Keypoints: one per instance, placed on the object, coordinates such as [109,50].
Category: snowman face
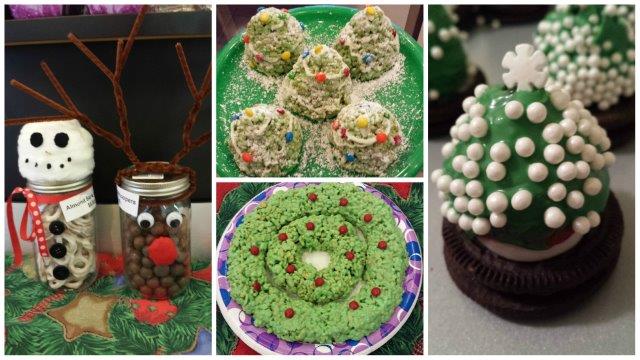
[56,151]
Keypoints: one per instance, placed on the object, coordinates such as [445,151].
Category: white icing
[525,68]
[517,253]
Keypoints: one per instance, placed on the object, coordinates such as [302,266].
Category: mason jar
[155,226]
[66,254]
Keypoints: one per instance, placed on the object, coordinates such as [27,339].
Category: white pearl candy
[552,133]
[498,220]
[470,169]
[553,153]
[582,169]
[461,204]
[592,186]
[447,150]
[609,158]
[525,147]
[521,199]
[475,206]
[480,89]
[560,99]
[457,187]
[575,199]
[581,225]
[513,109]
[569,127]
[476,110]
[537,172]
[463,132]
[444,208]
[478,127]
[457,162]
[598,162]
[474,188]
[467,102]
[575,144]
[443,183]
[435,174]
[481,226]
[475,152]
[465,222]
[497,202]
[554,217]
[500,152]
[496,171]
[594,218]
[589,152]
[453,216]
[557,192]
[567,171]
[536,112]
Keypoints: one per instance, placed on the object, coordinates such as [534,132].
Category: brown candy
[161,271]
[183,282]
[167,281]
[160,292]
[137,280]
[158,229]
[134,268]
[146,290]
[146,273]
[177,270]
[153,282]
[174,290]
[138,242]
[147,263]
[149,238]
[135,256]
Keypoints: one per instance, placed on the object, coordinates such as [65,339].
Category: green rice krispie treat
[368,44]
[591,51]
[273,41]
[526,169]
[298,300]
[265,140]
[448,67]
[365,138]
[318,86]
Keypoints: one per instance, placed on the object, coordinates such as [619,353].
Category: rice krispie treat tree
[318,86]
[526,166]
[448,67]
[265,140]
[272,41]
[365,138]
[368,44]
[591,51]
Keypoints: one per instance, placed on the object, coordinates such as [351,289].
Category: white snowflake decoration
[526,68]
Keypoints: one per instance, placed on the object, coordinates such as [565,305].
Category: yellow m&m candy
[248,112]
[370,10]
[264,18]
[285,56]
[318,49]
[362,122]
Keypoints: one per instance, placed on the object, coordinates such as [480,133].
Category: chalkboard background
[154,87]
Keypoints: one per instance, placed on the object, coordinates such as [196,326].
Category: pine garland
[42,335]
[404,342]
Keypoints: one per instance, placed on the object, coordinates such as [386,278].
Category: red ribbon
[32,209]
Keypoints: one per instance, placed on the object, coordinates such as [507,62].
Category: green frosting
[448,70]
[591,51]
[526,227]
[319,314]
[273,41]
[368,44]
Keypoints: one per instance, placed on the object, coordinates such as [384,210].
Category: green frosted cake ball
[591,51]
[448,67]
[365,138]
[265,140]
[273,41]
[526,165]
[368,44]
[318,86]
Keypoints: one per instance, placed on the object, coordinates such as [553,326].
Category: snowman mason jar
[64,225]
[155,230]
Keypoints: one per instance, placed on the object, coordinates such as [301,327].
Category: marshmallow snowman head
[54,152]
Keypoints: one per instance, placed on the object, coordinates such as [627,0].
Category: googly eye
[145,220]
[174,219]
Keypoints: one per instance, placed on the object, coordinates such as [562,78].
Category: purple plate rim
[269,344]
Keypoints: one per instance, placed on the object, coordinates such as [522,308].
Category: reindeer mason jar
[155,229]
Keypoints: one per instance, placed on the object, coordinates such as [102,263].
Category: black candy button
[56,227]
[60,272]
[58,251]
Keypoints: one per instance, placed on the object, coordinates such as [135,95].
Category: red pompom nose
[162,251]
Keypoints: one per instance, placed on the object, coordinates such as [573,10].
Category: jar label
[78,205]
[128,201]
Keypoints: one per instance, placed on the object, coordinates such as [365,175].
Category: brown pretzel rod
[58,86]
[186,71]
[90,55]
[118,66]
[121,107]
[33,119]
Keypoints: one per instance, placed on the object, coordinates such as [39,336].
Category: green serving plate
[236,91]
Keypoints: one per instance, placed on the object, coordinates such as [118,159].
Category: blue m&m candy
[301,25]
[305,53]
[235,116]
[350,157]
[260,8]
[367,58]
[288,136]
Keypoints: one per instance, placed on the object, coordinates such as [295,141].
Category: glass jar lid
[58,187]
[156,185]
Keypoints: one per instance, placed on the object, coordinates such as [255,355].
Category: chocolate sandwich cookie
[530,290]
[472,16]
